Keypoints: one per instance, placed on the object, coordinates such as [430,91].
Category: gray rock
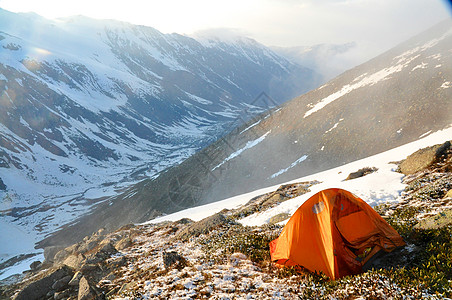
[84,290]
[61,295]
[2,185]
[202,227]
[174,259]
[88,245]
[123,243]
[440,220]
[42,287]
[278,218]
[50,252]
[75,280]
[107,247]
[74,261]
[61,284]
[35,265]
[361,172]
[85,268]
[423,158]
[448,194]
[61,255]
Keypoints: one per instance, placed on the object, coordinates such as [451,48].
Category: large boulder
[278,218]
[440,220]
[74,261]
[174,259]
[423,158]
[40,288]
[361,172]
[85,291]
[202,227]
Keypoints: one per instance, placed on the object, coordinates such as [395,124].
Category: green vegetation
[430,267]
[253,242]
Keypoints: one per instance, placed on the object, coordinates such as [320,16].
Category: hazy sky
[383,23]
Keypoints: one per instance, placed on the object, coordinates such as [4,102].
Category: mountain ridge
[88,107]
[391,100]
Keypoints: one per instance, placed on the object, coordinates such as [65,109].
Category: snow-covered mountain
[393,99]
[89,106]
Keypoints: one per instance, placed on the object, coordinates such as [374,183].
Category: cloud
[271,22]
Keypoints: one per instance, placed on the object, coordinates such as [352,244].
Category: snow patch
[334,126]
[251,126]
[282,171]
[425,134]
[198,99]
[421,66]
[366,81]
[446,85]
[248,145]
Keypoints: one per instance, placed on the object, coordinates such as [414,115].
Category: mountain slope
[329,60]
[89,106]
[396,98]
[222,249]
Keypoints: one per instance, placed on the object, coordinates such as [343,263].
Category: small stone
[173,259]
[75,279]
[84,290]
[109,277]
[35,265]
[118,262]
[61,255]
[74,261]
[61,295]
[236,258]
[61,284]
[101,232]
[107,247]
[50,294]
[123,243]
[278,218]
[72,248]
[448,194]
[112,292]
[88,267]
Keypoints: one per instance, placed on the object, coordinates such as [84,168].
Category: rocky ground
[217,258]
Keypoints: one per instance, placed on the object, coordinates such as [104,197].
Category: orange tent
[334,232]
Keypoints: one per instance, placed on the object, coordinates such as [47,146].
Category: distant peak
[226,35]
